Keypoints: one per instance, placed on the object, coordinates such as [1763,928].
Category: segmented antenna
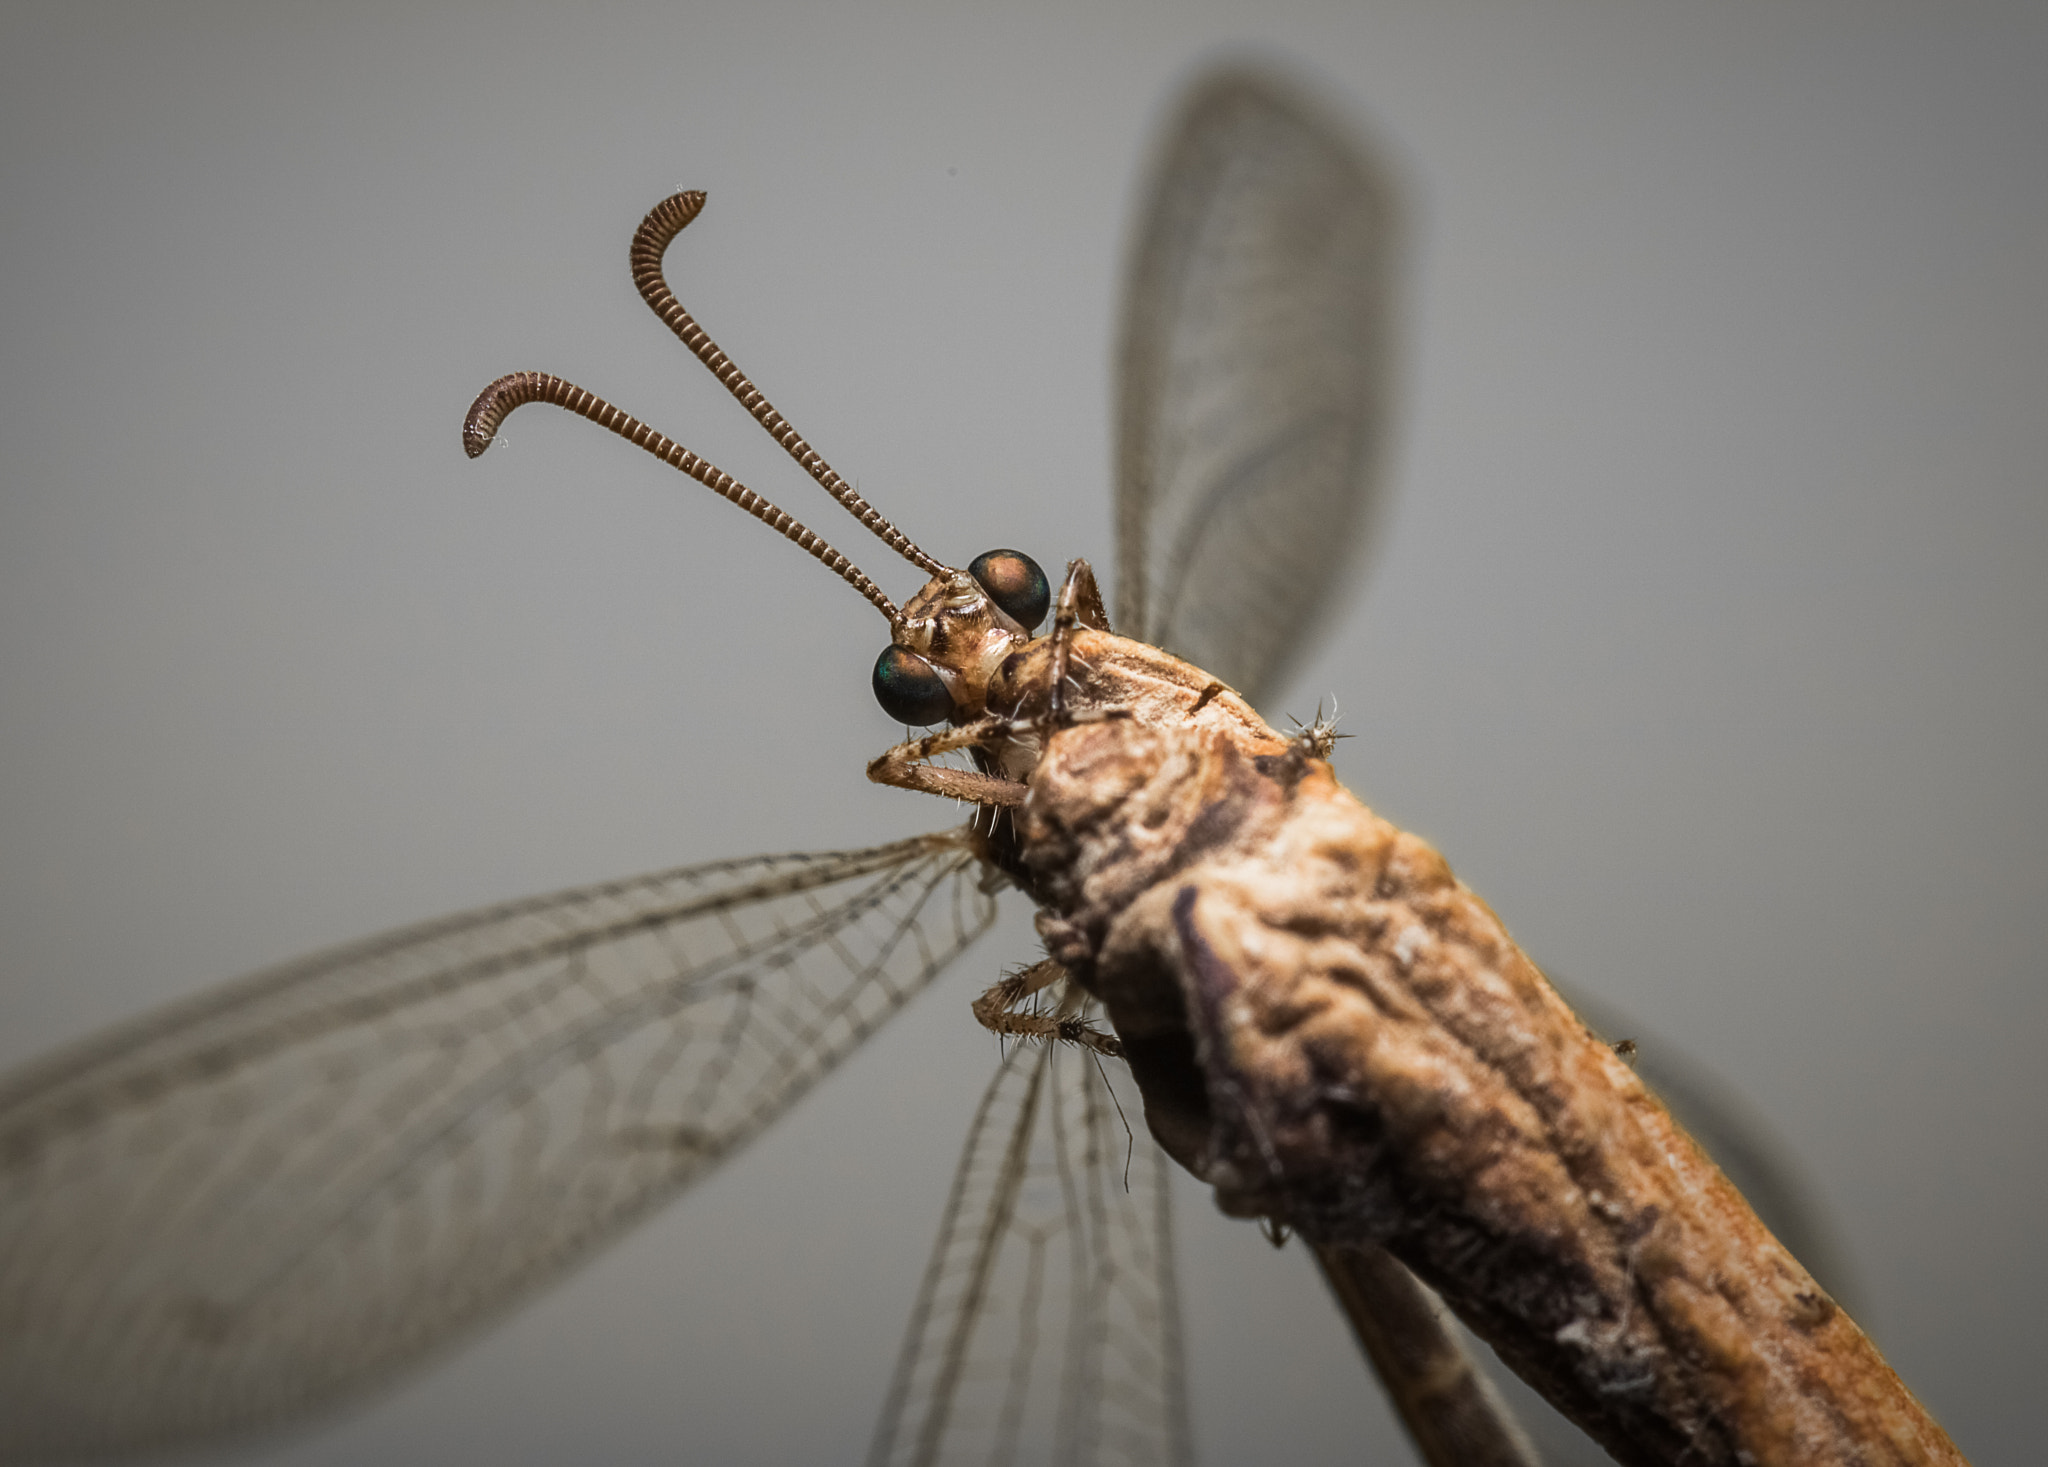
[650,242]
[656,232]
[496,402]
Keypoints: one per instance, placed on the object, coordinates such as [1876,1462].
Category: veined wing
[1255,375]
[1047,1325]
[1254,380]
[246,1205]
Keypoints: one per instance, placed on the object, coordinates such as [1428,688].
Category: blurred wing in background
[244,1207]
[1256,343]
[1046,1329]
[1256,377]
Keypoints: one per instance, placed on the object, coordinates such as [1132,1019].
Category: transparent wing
[1046,1329]
[244,1206]
[1254,379]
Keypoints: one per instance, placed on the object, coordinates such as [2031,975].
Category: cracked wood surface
[1334,1032]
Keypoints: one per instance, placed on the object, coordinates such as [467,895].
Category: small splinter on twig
[1318,738]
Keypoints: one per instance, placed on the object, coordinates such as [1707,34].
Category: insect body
[1339,1037]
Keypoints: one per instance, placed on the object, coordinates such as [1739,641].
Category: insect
[268,1196]
[256,1201]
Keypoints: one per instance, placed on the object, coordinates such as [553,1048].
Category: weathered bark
[1334,1032]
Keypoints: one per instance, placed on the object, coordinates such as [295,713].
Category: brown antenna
[650,242]
[496,402]
[662,224]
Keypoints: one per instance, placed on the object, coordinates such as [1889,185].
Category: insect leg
[907,765]
[997,1012]
[1080,605]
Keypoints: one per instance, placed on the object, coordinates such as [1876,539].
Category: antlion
[262,1199]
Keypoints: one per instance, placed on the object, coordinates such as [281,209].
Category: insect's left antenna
[497,401]
[650,242]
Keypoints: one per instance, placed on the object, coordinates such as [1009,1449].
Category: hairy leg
[997,1010]
[907,766]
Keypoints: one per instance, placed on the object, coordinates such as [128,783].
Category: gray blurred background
[1706,631]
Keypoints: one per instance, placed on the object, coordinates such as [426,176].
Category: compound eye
[1015,583]
[909,688]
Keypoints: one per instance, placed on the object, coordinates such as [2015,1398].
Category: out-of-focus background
[1706,630]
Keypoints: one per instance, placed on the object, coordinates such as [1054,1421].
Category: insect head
[954,634]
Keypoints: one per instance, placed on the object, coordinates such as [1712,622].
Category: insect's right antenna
[650,242]
[495,402]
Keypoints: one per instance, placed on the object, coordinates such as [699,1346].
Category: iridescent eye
[1015,583]
[909,688]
